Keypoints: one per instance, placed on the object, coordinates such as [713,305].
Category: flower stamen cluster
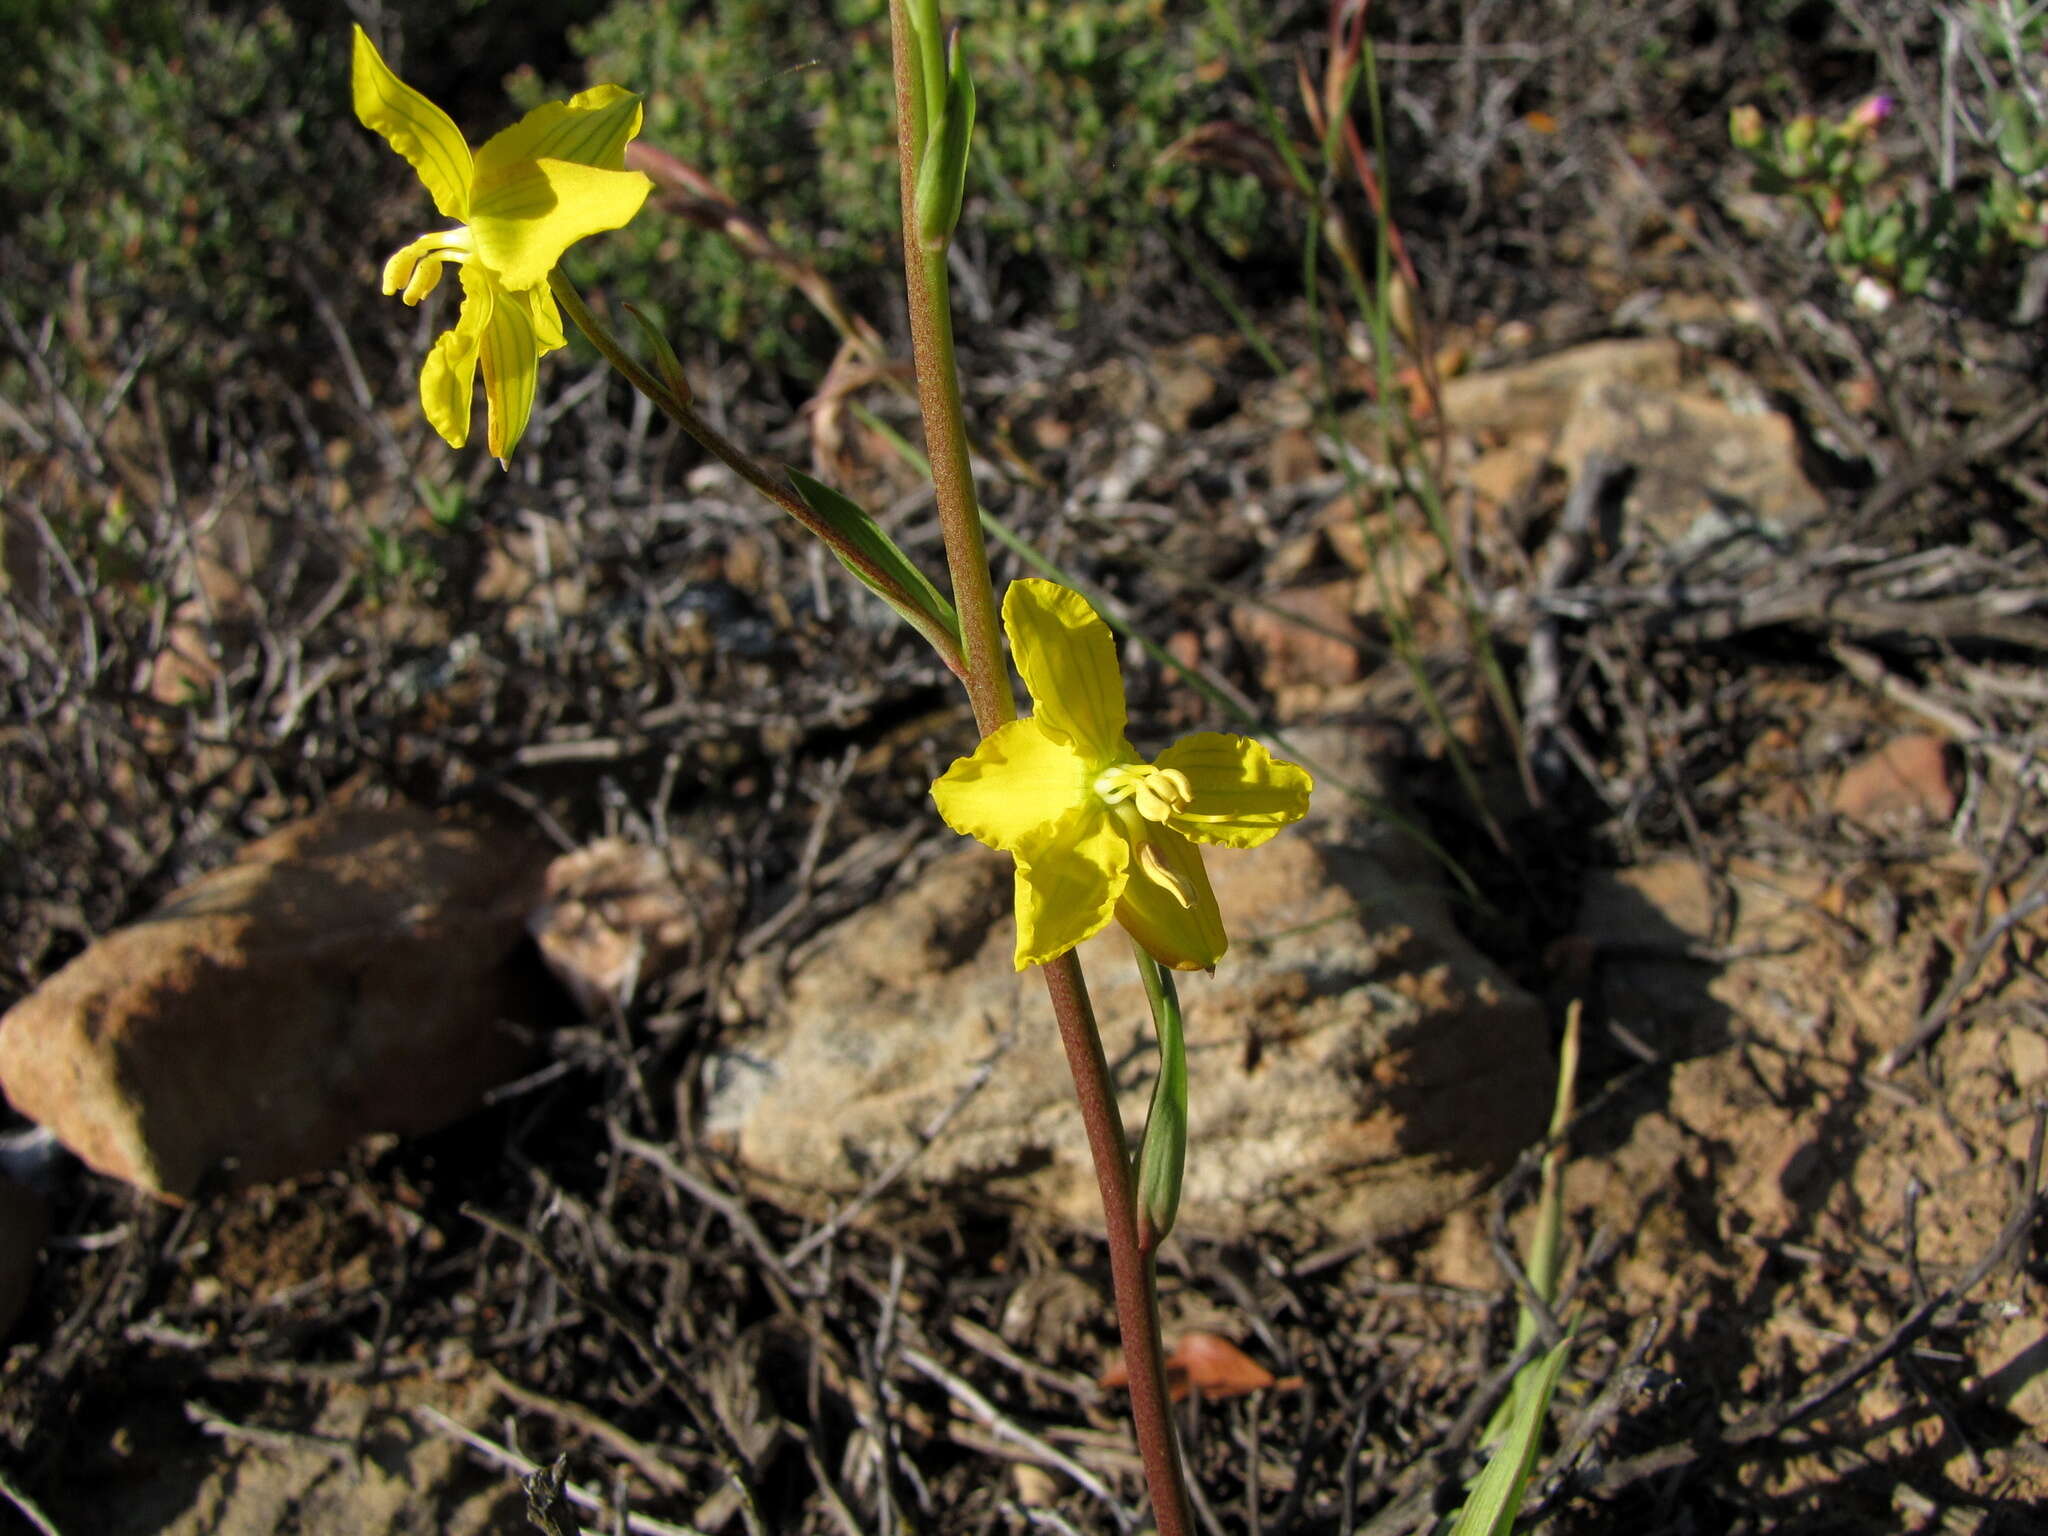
[1158,793]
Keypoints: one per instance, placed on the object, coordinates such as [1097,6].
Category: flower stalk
[938,381]
[918,86]
[1130,1268]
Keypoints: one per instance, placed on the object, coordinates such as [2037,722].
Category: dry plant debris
[1806,1242]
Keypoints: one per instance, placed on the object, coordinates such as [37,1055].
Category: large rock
[1539,396]
[618,914]
[360,971]
[1719,478]
[1357,1068]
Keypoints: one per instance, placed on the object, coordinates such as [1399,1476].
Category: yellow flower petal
[414,126]
[590,128]
[546,316]
[1067,659]
[1242,793]
[1185,938]
[511,362]
[1018,780]
[448,380]
[540,208]
[1069,874]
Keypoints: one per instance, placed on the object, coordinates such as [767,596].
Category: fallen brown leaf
[1208,1364]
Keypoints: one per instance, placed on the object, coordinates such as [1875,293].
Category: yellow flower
[530,193]
[1096,830]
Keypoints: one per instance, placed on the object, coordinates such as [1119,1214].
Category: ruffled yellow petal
[1018,780]
[1242,793]
[1067,658]
[420,131]
[511,361]
[1173,913]
[590,128]
[1069,875]
[546,316]
[540,208]
[448,378]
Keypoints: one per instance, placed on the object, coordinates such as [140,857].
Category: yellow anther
[1155,869]
[1163,792]
[1156,793]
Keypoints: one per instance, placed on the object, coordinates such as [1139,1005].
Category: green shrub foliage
[788,107]
[167,165]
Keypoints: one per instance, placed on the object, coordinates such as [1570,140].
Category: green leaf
[1545,1264]
[928,78]
[666,362]
[921,604]
[1164,1153]
[1496,1497]
[942,175]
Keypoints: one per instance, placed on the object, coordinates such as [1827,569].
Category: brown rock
[2015,1369]
[1304,635]
[536,572]
[1292,457]
[1700,464]
[1904,781]
[1502,476]
[1666,903]
[1357,1067]
[354,972]
[617,914]
[1538,396]
[1397,551]
[1642,926]
[160,1473]
[1188,378]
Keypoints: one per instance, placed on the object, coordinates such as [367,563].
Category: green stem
[719,446]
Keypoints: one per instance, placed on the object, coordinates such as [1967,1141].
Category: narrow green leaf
[1545,1264]
[921,604]
[928,78]
[1496,1496]
[666,362]
[942,175]
[1164,1153]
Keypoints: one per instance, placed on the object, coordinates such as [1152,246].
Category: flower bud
[1869,116]
[1746,128]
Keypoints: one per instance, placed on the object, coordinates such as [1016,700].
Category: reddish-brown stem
[1130,1266]
[988,687]
[945,420]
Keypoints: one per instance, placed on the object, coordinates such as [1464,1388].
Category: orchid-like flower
[530,193]
[1096,830]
